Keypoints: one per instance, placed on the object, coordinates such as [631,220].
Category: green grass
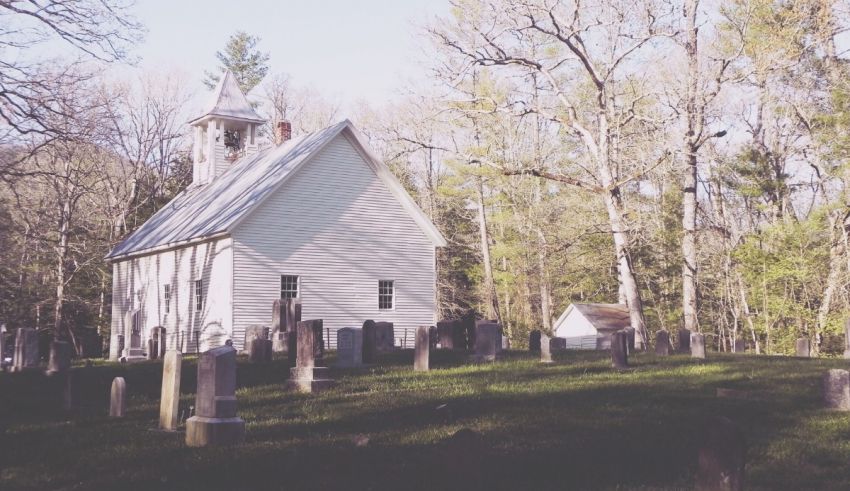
[573,425]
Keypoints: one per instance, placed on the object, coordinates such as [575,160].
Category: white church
[318,218]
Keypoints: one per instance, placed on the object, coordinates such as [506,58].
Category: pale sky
[347,50]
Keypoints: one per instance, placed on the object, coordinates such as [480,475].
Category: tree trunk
[491,307]
[689,179]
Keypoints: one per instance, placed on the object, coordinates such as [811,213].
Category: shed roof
[228,101]
[204,212]
[607,317]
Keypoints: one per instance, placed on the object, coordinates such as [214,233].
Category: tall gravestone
[151,350]
[432,338]
[499,334]
[620,350]
[60,357]
[421,350]
[534,341]
[26,350]
[557,344]
[836,390]
[215,421]
[384,337]
[662,343]
[169,401]
[252,332]
[305,376]
[158,334]
[349,347]
[446,334]
[698,345]
[684,341]
[286,313]
[118,398]
[488,339]
[545,347]
[261,350]
[804,348]
[370,348]
[721,459]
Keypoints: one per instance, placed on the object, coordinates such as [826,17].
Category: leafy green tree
[247,63]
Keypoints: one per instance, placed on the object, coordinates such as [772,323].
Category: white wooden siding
[337,226]
[573,325]
[138,283]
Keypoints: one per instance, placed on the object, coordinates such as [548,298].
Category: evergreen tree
[241,56]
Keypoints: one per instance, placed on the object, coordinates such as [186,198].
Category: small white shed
[589,325]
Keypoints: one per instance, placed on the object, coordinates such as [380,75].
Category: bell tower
[225,132]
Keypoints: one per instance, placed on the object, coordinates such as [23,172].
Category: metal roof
[228,101]
[215,209]
[605,316]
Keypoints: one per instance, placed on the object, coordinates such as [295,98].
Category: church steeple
[226,130]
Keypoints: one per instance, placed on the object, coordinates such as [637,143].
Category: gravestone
[215,421]
[349,347]
[305,376]
[836,389]
[261,350]
[534,340]
[620,350]
[488,339]
[466,332]
[252,332]
[118,398]
[384,337]
[662,343]
[545,347]
[804,348]
[285,314]
[26,350]
[446,334]
[722,457]
[500,342]
[684,341]
[60,357]
[133,328]
[432,338]
[630,339]
[169,401]
[698,345]
[151,349]
[847,338]
[740,346]
[421,351]
[160,341]
[370,351]
[557,344]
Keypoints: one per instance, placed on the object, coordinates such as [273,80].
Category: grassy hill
[574,425]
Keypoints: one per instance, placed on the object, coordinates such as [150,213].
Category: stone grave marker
[836,389]
[151,351]
[534,341]
[60,357]
[488,341]
[466,333]
[285,314]
[160,341]
[215,421]
[261,350]
[305,376]
[169,401]
[698,345]
[557,344]
[26,350]
[118,398]
[422,350]
[662,343]
[349,347]
[252,332]
[446,334]
[722,457]
[384,337]
[545,347]
[684,340]
[804,348]
[370,349]
[620,350]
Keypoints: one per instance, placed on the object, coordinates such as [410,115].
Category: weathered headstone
[446,334]
[804,348]
[26,350]
[306,376]
[285,314]
[630,339]
[545,347]
[739,346]
[662,343]
[847,338]
[118,398]
[215,421]
[466,332]
[620,350]
[557,344]
[252,332]
[261,350]
[384,337]
[349,347]
[421,351]
[160,342]
[722,457]
[370,350]
[534,341]
[836,389]
[684,341]
[60,357]
[488,338]
[500,342]
[698,345]
[151,351]
[169,402]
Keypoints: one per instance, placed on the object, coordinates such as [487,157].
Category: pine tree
[241,56]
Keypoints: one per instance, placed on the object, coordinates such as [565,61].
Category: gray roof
[605,316]
[228,101]
[214,209]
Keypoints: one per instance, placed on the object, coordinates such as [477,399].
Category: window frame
[382,295]
[200,300]
[297,286]
[166,297]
